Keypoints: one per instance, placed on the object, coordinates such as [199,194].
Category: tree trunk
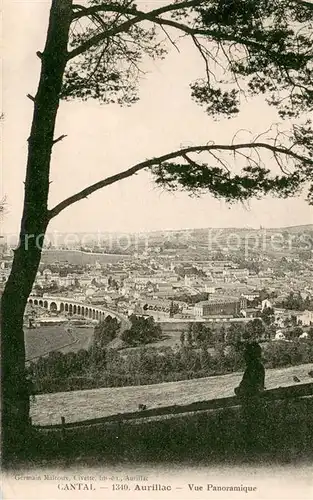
[35,219]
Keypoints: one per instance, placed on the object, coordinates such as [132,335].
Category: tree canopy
[247,48]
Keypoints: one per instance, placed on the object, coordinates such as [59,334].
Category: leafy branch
[267,43]
[219,181]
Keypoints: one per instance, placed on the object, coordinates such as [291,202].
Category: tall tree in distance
[95,50]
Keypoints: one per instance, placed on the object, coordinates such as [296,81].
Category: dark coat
[252,383]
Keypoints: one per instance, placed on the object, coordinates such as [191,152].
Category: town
[169,292]
[179,279]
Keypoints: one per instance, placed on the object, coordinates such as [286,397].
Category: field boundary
[289,392]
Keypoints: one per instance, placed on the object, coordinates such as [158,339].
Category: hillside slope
[94,403]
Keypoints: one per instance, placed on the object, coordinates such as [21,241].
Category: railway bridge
[73,307]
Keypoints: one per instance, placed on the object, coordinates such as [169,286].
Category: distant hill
[216,239]
[232,228]
[193,231]
[201,231]
[297,229]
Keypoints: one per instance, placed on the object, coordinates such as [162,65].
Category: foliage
[234,334]
[280,353]
[198,335]
[294,333]
[278,51]
[267,315]
[3,207]
[254,330]
[142,331]
[174,309]
[113,284]
[109,71]
[103,367]
[189,271]
[248,48]
[295,302]
[106,331]
[191,299]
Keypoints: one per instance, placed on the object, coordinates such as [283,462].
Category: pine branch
[171,7]
[153,16]
[181,153]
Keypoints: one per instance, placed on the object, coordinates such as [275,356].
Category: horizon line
[4,233]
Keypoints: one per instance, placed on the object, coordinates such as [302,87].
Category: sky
[102,140]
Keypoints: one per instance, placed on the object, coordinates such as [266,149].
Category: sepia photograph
[156,249]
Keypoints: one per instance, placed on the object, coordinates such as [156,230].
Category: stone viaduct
[72,307]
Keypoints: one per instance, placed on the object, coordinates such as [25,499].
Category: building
[251,312]
[157,305]
[279,335]
[304,318]
[266,304]
[220,305]
[304,335]
[239,273]
[251,296]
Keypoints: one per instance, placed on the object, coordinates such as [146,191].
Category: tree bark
[35,219]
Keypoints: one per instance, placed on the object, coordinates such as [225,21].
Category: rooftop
[218,300]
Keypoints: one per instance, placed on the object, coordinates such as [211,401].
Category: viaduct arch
[71,307]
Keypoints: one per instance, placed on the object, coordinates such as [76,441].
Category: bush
[100,367]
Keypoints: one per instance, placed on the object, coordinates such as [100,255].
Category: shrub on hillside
[150,365]
[142,331]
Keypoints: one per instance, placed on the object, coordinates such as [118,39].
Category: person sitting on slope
[252,383]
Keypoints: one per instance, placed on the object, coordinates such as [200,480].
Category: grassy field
[94,403]
[42,340]
[83,336]
[80,258]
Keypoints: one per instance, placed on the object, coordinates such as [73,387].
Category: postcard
[156,249]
